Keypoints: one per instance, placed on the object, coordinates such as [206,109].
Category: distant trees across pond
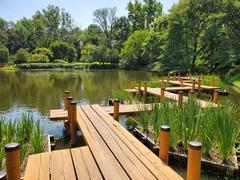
[195,35]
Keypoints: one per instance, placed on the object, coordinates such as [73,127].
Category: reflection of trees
[44,89]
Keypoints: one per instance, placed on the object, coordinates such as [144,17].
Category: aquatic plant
[2,155]
[124,96]
[36,139]
[226,130]
[143,117]
[190,116]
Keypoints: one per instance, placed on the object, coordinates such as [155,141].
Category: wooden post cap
[165,128]
[73,103]
[70,98]
[180,92]
[3,175]
[195,145]
[11,147]
[163,88]
[116,100]
[67,92]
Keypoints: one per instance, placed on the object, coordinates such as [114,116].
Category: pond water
[39,91]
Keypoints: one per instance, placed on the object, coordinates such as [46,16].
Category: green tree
[22,56]
[132,54]
[4,54]
[62,50]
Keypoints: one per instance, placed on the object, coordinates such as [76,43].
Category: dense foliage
[195,35]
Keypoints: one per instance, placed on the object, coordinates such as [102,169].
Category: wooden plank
[140,155]
[58,114]
[127,109]
[38,167]
[85,166]
[129,162]
[137,152]
[203,87]
[62,165]
[109,166]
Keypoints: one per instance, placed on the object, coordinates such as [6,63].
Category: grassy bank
[235,80]
[77,66]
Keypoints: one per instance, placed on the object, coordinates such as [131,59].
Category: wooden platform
[117,152]
[77,163]
[61,114]
[203,87]
[58,114]
[173,96]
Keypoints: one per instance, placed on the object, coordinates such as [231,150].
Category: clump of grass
[2,156]
[124,96]
[226,130]
[36,139]
[143,117]
[24,131]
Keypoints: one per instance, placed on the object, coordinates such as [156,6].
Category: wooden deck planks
[85,166]
[62,165]
[109,166]
[129,162]
[123,134]
[203,87]
[58,114]
[38,167]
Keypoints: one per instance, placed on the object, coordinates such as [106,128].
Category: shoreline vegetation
[25,131]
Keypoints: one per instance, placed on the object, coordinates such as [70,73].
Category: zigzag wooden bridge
[111,153]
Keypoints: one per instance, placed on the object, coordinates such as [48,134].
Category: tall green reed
[226,130]
[36,139]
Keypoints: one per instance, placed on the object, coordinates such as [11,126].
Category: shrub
[62,50]
[44,51]
[22,56]
[4,53]
[39,58]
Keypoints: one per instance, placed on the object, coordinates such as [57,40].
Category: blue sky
[81,10]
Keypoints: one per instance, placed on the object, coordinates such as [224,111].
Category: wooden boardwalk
[116,153]
[173,96]
[203,87]
[77,163]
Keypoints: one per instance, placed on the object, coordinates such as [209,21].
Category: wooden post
[68,121]
[190,75]
[162,93]
[179,76]
[164,142]
[194,160]
[213,82]
[145,91]
[73,124]
[168,78]
[199,84]
[3,175]
[193,84]
[13,161]
[139,87]
[180,98]
[215,96]
[175,75]
[164,84]
[181,81]
[116,109]
[66,95]
[131,84]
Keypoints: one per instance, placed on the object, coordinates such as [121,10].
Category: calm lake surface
[39,91]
